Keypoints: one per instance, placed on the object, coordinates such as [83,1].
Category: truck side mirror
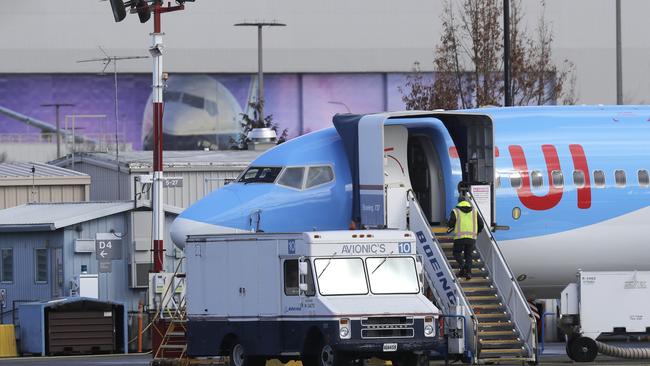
[303,272]
[303,268]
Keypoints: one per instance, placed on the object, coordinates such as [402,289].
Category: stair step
[173,346]
[474,298]
[500,342]
[496,333]
[493,324]
[479,289]
[491,315]
[495,306]
[176,334]
[513,360]
[474,280]
[501,351]
[439,229]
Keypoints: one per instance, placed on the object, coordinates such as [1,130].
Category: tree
[249,122]
[468,62]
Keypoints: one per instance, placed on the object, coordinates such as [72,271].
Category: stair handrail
[519,310]
[412,200]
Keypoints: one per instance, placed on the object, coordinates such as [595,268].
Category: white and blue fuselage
[571,187]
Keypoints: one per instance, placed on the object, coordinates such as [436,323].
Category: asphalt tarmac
[554,354]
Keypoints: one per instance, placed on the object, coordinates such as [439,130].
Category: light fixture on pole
[144,8]
[260,73]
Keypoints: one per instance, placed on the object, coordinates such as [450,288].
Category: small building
[73,325]
[201,173]
[44,246]
[22,183]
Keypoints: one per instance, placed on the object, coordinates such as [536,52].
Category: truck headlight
[428,330]
[344,328]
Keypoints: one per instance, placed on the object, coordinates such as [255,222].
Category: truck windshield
[392,275]
[341,276]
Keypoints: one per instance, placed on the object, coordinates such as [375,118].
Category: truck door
[242,299]
[268,277]
[294,304]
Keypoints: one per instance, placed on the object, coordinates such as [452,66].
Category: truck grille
[383,320]
[387,327]
[387,333]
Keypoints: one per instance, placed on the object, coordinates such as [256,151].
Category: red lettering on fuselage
[580,164]
[554,195]
[526,196]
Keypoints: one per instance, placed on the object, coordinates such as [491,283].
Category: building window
[536,178]
[579,178]
[599,178]
[515,180]
[619,177]
[558,178]
[40,265]
[644,179]
[7,273]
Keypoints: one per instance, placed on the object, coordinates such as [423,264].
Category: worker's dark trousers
[466,245]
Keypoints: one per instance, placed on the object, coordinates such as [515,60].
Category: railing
[448,293]
[507,286]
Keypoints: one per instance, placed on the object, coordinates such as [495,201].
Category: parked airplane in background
[199,113]
[571,184]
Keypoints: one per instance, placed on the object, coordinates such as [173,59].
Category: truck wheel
[582,349]
[327,356]
[238,357]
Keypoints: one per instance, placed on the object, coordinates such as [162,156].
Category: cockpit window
[292,177]
[257,174]
[171,96]
[193,100]
[319,175]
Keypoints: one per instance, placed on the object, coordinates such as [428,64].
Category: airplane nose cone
[218,213]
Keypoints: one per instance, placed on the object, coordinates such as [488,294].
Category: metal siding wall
[196,185]
[112,286]
[103,186]
[11,196]
[24,286]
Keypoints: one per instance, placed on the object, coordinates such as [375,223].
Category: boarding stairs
[498,325]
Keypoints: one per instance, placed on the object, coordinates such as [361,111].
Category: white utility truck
[604,303]
[323,297]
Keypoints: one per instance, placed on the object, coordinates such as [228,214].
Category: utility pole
[619,56]
[260,73]
[507,91]
[57,107]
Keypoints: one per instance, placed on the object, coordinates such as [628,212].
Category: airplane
[200,112]
[570,185]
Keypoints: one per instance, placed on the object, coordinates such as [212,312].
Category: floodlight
[144,12]
[119,11]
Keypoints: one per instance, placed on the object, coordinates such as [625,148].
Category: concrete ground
[553,355]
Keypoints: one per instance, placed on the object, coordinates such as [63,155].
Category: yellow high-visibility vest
[466,223]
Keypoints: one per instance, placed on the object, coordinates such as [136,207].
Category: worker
[465,224]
